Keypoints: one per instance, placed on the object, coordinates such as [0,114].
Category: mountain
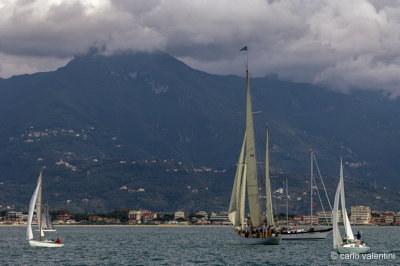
[151,106]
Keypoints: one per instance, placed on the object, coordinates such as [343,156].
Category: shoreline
[175,225]
[121,225]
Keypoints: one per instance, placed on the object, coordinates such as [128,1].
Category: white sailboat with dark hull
[349,244]
[310,233]
[42,217]
[252,230]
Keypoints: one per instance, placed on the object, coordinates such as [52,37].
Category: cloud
[342,44]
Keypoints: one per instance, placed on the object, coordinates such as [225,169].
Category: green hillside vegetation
[152,106]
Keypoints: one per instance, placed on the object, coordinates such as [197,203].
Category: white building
[179,214]
[360,214]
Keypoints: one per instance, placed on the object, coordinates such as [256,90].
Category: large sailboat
[349,244]
[310,233]
[42,217]
[253,230]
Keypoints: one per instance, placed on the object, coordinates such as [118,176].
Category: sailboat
[43,219]
[311,233]
[251,230]
[349,244]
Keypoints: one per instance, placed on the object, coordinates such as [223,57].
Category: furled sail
[251,162]
[235,204]
[29,233]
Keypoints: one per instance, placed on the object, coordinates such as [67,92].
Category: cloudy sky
[342,44]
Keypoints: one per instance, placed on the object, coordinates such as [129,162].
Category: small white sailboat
[251,230]
[349,244]
[43,219]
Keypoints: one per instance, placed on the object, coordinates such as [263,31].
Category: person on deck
[58,241]
[358,235]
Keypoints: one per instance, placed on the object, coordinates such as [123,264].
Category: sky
[340,44]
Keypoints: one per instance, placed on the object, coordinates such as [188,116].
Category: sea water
[186,245]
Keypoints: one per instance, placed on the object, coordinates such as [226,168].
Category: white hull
[276,240]
[44,243]
[305,235]
[353,248]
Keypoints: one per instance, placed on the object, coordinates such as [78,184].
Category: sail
[234,206]
[242,202]
[251,162]
[346,221]
[46,221]
[270,215]
[39,209]
[337,238]
[29,233]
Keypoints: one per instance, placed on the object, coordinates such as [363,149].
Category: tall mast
[311,188]
[268,197]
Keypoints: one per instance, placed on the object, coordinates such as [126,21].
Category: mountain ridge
[151,106]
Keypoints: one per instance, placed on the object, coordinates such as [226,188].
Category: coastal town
[359,215]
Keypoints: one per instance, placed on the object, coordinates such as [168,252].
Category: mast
[311,188]
[251,162]
[268,197]
[287,204]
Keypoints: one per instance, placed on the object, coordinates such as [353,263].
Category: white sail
[337,238]
[46,221]
[29,233]
[234,206]
[346,221]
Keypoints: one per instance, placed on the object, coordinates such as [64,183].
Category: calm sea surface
[152,245]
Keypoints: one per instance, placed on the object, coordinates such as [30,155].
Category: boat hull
[348,249]
[306,235]
[276,240]
[44,243]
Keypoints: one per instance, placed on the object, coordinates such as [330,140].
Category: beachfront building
[179,214]
[360,215]
[141,216]
[397,218]
[220,218]
[306,219]
[388,217]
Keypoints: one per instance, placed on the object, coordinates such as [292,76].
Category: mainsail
[337,238]
[346,222]
[29,233]
[251,162]
[246,176]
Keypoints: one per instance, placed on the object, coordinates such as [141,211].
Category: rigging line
[320,200]
[322,181]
